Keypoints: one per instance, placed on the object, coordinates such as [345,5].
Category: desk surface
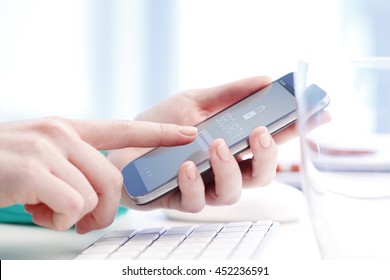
[293,240]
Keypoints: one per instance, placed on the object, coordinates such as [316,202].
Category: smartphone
[155,173]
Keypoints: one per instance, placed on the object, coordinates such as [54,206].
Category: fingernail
[188,130]
[265,139]
[223,152]
[191,172]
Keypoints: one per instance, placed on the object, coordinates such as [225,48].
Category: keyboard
[237,240]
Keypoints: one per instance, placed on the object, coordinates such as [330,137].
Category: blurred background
[114,58]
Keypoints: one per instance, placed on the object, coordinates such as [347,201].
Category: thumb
[222,96]
[117,134]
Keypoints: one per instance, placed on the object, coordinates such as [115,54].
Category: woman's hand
[252,168]
[53,166]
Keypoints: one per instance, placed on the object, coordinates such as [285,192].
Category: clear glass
[346,160]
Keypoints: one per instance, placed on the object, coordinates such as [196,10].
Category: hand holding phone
[155,173]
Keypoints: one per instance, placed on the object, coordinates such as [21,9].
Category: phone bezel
[205,165]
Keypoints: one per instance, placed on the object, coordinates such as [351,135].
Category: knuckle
[29,168]
[161,132]
[267,180]
[116,180]
[104,222]
[75,207]
[91,201]
[53,127]
[194,208]
[66,220]
[60,226]
[231,200]
[37,146]
[123,125]
[262,181]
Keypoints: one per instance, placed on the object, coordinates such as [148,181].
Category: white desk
[293,241]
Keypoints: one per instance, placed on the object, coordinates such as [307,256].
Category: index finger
[117,134]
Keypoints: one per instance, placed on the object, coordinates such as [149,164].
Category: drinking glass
[345,153]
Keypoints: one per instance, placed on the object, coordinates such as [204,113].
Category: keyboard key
[122,233]
[138,247]
[124,255]
[91,257]
[239,224]
[157,231]
[145,237]
[235,229]
[106,248]
[209,227]
[184,230]
[112,240]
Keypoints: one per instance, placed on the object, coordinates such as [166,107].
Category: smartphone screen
[155,173]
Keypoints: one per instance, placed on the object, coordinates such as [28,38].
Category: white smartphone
[155,173]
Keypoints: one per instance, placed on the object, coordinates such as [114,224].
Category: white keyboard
[238,240]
